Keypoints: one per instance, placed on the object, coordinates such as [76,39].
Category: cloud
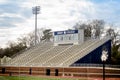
[12,8]
[7,21]
[16,15]
[108,11]
[12,13]
[3,1]
[65,12]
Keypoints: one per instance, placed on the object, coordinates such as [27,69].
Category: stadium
[69,54]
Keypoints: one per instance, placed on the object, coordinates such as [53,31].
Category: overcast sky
[16,16]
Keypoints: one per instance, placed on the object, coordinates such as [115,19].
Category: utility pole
[36,11]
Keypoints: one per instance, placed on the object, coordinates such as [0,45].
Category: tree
[29,39]
[115,45]
[85,26]
[47,34]
[1,52]
[98,26]
[13,48]
[25,41]
[113,34]
[88,26]
[115,54]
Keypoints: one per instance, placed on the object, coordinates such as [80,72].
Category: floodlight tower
[36,11]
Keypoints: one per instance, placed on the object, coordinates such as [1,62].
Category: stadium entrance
[48,72]
[56,72]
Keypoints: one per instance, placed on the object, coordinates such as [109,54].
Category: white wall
[72,38]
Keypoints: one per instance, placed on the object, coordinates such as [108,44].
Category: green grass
[32,78]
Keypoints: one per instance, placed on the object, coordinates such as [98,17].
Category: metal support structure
[36,10]
[103,70]
[104,57]
[35,29]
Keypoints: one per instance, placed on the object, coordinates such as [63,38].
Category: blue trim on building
[66,32]
[94,57]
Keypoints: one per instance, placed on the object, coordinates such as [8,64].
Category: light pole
[36,11]
[104,57]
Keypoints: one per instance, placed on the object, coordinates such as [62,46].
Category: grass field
[32,78]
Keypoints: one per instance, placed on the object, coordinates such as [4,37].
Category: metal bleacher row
[46,54]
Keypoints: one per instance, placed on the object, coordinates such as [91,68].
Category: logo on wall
[104,55]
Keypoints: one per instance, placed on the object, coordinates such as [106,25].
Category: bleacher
[30,54]
[84,51]
[59,59]
[48,55]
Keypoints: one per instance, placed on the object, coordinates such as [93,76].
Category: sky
[16,17]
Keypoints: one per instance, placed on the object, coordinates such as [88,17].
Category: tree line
[96,26]
[25,41]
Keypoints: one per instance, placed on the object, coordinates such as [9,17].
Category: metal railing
[20,52]
[95,65]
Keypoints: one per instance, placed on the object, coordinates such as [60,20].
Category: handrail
[94,65]
[57,54]
[42,43]
[28,48]
[81,51]
[40,54]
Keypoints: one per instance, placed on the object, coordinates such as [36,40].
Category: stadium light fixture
[104,57]
[36,10]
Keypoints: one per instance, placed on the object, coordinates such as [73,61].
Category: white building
[69,37]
